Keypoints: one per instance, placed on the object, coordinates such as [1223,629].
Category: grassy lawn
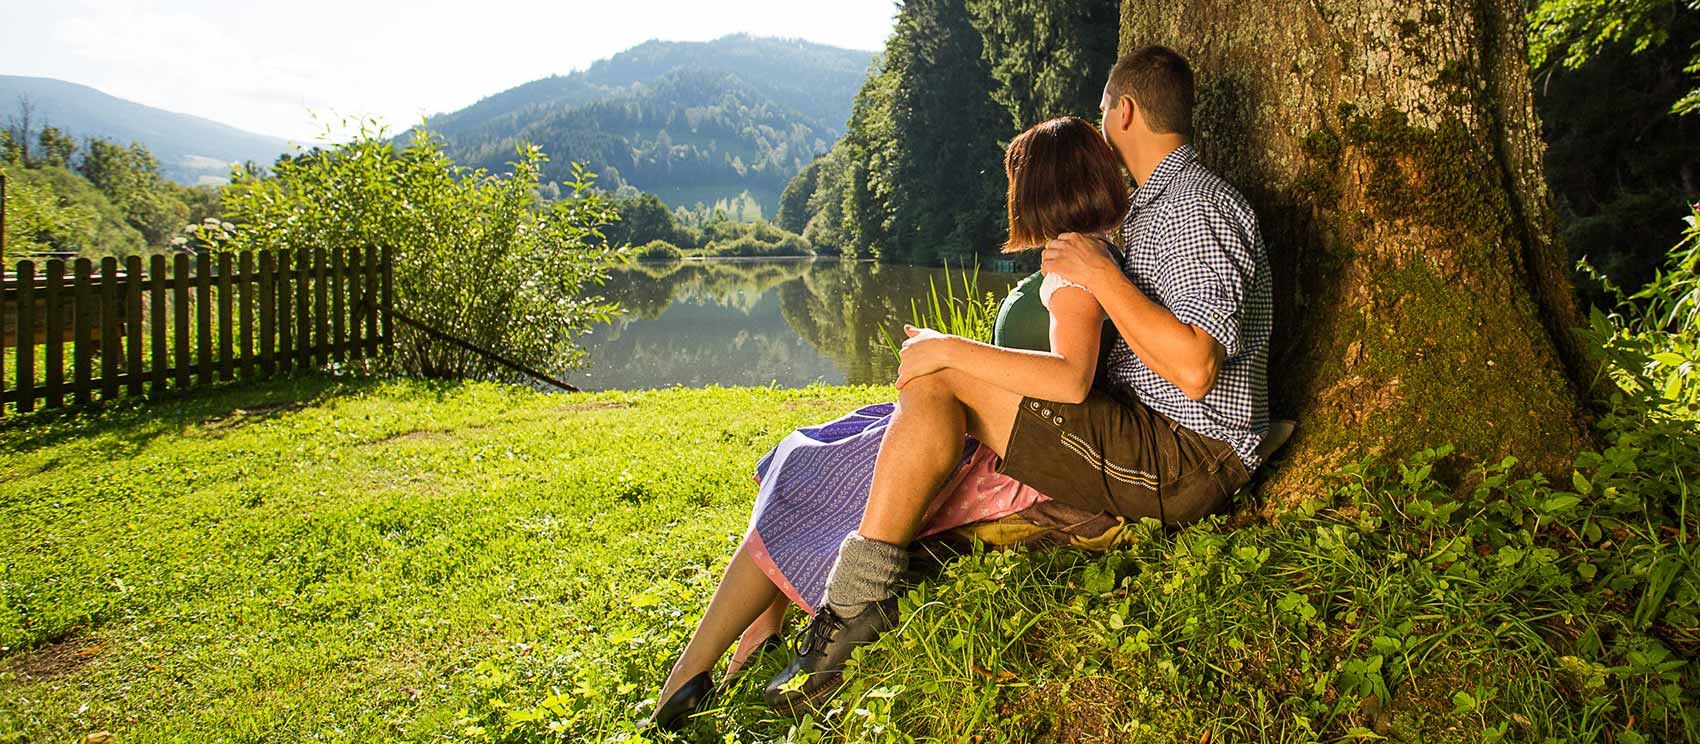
[321,559]
[314,559]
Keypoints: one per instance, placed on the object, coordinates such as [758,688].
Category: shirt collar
[1165,171]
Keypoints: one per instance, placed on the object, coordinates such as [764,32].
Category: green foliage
[1650,343]
[1620,166]
[359,560]
[752,239]
[10,152]
[918,177]
[119,186]
[52,209]
[130,178]
[658,250]
[1046,57]
[794,201]
[57,148]
[972,315]
[644,219]
[475,255]
[1574,32]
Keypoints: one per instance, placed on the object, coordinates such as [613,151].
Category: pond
[729,322]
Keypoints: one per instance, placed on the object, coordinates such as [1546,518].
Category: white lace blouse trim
[1050,285]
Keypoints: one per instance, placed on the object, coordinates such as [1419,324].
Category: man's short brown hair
[1062,178]
[1160,81]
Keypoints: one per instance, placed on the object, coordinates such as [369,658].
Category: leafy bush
[752,239]
[645,218]
[658,250]
[475,254]
[52,209]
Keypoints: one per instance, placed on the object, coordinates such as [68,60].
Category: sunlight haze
[270,67]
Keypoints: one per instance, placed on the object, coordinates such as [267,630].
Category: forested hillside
[919,175]
[688,121]
[189,149]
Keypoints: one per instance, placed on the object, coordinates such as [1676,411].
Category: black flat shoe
[670,714]
[822,648]
[772,644]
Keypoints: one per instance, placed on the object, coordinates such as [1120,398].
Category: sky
[290,69]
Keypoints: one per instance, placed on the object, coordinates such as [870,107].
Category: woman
[814,484]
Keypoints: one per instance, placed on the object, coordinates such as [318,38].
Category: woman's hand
[925,351]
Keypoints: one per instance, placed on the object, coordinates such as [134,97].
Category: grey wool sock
[866,571]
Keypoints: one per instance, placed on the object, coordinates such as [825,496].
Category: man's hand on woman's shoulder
[1081,259]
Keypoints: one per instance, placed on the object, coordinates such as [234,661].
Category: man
[1171,426]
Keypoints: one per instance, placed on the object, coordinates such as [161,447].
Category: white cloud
[269,66]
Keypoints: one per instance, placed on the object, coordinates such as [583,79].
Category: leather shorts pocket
[1194,496]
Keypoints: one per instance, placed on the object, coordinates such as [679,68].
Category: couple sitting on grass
[1167,424]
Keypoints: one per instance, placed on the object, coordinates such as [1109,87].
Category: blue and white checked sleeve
[1204,269]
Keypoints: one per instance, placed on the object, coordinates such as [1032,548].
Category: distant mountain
[190,149]
[688,121]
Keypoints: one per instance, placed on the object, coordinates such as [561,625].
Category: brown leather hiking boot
[821,648]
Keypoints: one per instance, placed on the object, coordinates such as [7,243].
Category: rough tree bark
[1392,153]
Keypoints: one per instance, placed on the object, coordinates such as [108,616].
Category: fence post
[55,306]
[388,302]
[285,328]
[111,341]
[133,322]
[25,338]
[203,318]
[372,298]
[82,308]
[156,322]
[357,348]
[20,334]
[226,303]
[245,294]
[303,311]
[321,352]
[338,304]
[268,297]
[180,316]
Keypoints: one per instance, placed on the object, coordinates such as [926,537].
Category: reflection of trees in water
[842,312]
[646,289]
[838,308]
[703,344]
[839,312]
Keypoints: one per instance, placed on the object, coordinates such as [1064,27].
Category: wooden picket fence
[253,313]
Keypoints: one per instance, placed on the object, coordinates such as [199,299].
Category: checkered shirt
[1191,244]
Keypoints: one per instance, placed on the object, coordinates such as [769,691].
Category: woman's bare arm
[1063,374]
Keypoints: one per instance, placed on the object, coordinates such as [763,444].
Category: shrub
[53,209]
[752,239]
[657,250]
[475,254]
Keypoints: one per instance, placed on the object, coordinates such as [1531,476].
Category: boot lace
[817,633]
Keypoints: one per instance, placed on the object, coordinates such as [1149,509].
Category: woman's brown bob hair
[1062,178]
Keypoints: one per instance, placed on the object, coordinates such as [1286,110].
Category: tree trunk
[1393,156]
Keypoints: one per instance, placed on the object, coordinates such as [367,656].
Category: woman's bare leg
[744,594]
[769,623]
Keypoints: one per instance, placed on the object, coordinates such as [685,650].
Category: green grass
[354,560]
[316,558]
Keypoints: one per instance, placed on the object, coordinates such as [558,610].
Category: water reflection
[730,322]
